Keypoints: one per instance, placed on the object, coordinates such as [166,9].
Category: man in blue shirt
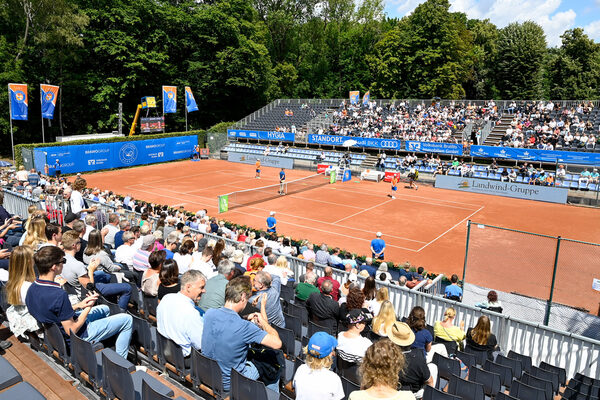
[227,337]
[47,302]
[282,181]
[378,247]
[33,178]
[265,283]
[272,223]
[453,291]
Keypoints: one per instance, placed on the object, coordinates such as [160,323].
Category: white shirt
[124,254]
[88,229]
[352,349]
[207,268]
[319,384]
[185,326]
[77,203]
[24,288]
[183,262]
[110,236]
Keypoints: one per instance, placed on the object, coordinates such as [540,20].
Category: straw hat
[401,334]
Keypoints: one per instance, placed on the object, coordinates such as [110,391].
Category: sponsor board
[552,156]
[507,189]
[336,140]
[434,147]
[263,135]
[265,161]
[91,157]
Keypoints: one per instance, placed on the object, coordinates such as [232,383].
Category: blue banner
[49,95]
[190,102]
[336,140]
[265,161]
[553,156]
[263,135]
[434,147]
[169,99]
[507,189]
[92,157]
[18,101]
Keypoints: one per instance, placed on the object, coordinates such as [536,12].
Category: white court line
[459,222]
[325,231]
[360,212]
[185,176]
[284,213]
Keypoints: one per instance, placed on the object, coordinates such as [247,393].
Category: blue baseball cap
[321,344]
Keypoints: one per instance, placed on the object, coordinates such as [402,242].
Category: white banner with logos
[507,189]
[265,161]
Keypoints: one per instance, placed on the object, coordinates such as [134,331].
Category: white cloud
[593,29]
[503,12]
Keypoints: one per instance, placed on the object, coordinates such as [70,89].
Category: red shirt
[250,259]
[335,293]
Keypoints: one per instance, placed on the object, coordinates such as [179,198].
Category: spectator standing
[379,373]
[177,316]
[271,223]
[314,380]
[378,247]
[227,336]
[335,293]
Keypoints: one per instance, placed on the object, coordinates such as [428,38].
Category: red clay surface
[426,227]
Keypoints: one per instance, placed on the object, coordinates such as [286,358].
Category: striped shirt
[140,260]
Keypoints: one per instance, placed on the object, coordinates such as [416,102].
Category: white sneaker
[393,197]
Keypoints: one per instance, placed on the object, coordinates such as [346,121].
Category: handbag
[269,363]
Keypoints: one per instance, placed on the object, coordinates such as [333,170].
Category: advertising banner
[265,161]
[169,99]
[190,102]
[321,168]
[434,147]
[18,99]
[336,140]
[49,95]
[92,157]
[507,189]
[263,135]
[553,156]
[354,96]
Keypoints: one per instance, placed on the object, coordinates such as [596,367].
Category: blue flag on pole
[17,93]
[190,102]
[49,95]
[169,99]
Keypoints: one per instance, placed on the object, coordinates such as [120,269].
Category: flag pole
[12,143]
[186,124]
[42,112]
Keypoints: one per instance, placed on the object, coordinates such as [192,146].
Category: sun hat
[321,344]
[401,334]
[383,267]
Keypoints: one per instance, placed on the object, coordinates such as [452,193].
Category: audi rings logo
[128,153]
[389,144]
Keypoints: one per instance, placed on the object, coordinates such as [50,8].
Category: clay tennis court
[426,227]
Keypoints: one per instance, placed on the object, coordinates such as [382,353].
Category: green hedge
[220,127]
[19,157]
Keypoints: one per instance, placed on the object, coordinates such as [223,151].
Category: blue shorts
[394,188]
[258,171]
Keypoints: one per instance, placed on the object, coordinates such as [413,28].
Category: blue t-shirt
[453,290]
[271,221]
[370,269]
[33,179]
[119,239]
[48,303]
[422,337]
[226,339]
[169,254]
[281,175]
[377,245]
[408,274]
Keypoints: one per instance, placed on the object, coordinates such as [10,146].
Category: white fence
[573,352]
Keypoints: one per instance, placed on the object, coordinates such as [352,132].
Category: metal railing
[573,352]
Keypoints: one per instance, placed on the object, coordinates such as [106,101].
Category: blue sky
[555,16]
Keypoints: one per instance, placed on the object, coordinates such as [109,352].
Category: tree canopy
[237,55]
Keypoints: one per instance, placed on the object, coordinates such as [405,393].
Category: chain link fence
[540,272]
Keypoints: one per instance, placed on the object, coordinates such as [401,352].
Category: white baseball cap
[378,234]
[272,213]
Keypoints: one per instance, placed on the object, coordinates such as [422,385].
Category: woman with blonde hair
[481,338]
[448,333]
[381,295]
[282,270]
[380,371]
[36,232]
[20,277]
[314,380]
[385,319]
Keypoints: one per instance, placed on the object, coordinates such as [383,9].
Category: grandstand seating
[276,117]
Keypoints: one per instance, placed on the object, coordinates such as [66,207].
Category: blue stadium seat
[243,388]
[87,361]
[8,374]
[23,391]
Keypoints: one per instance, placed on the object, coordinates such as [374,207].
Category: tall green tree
[519,61]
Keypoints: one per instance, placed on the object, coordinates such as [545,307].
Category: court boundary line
[457,224]
[360,212]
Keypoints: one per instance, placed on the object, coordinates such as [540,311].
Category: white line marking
[365,210]
[460,222]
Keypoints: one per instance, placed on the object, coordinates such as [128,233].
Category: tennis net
[248,197]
